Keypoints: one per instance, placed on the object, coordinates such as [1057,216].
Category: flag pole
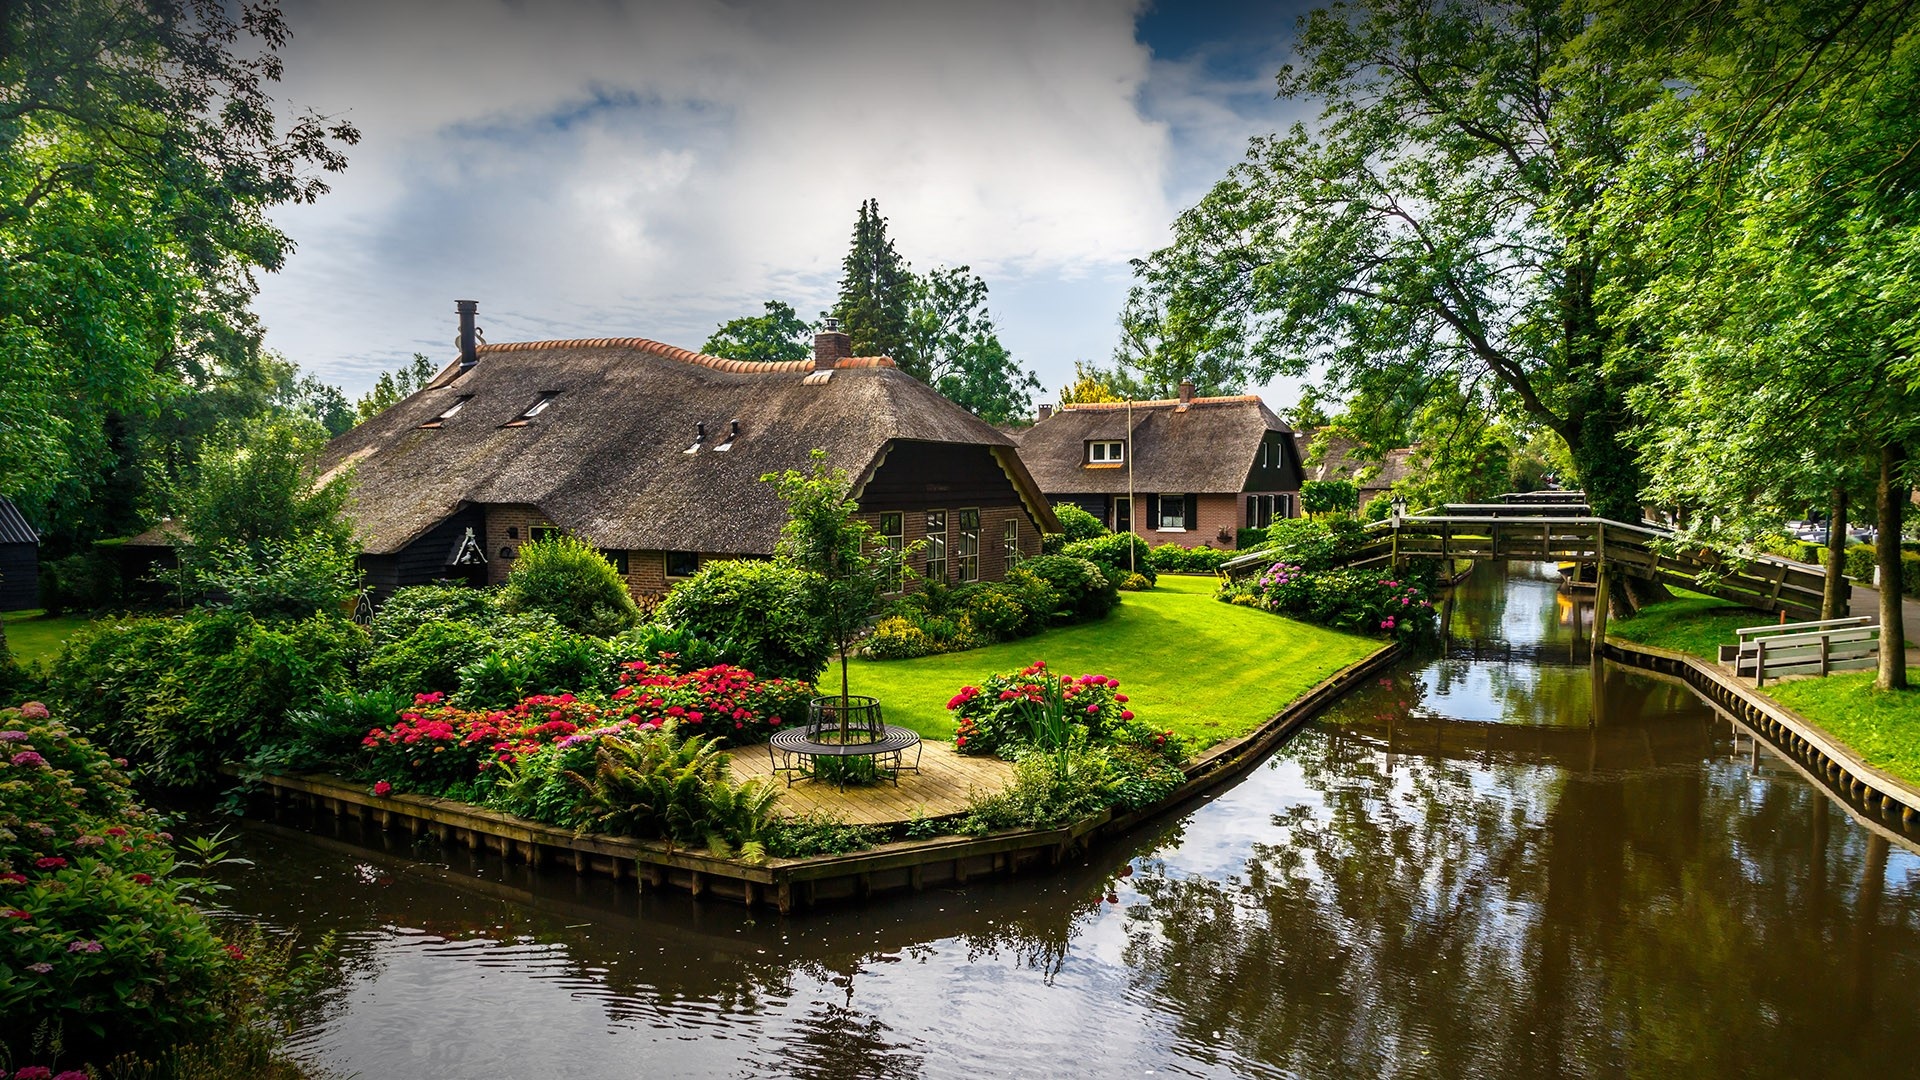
[1133,511]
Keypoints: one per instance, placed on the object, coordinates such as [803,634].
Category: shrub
[548,662]
[1083,589]
[292,578]
[1249,538]
[1361,600]
[415,606]
[328,733]
[1174,559]
[106,947]
[756,613]
[1378,508]
[87,581]
[1111,554]
[998,614]
[1077,524]
[727,703]
[1024,708]
[437,749]
[654,783]
[898,637]
[1910,572]
[428,659]
[1047,791]
[1860,560]
[181,696]
[568,579]
[663,647]
[1315,544]
[1329,496]
[819,833]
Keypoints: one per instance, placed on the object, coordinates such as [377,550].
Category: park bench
[1804,648]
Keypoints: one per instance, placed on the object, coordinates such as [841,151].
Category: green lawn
[1881,726]
[1205,669]
[34,635]
[1692,623]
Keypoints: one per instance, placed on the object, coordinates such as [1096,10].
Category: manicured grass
[36,636]
[1691,623]
[1881,726]
[1205,669]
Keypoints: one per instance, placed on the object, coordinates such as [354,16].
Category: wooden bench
[1804,648]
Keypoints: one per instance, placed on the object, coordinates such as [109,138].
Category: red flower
[1126,714]
[382,788]
[234,951]
[143,879]
[14,913]
[13,878]
[51,862]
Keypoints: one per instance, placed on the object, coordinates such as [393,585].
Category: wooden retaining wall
[787,884]
[1875,791]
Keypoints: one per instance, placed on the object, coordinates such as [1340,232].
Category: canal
[1487,863]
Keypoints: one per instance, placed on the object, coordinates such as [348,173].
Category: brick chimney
[830,346]
[469,334]
[1046,409]
[1186,391]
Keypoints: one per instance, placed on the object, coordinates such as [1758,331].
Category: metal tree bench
[850,729]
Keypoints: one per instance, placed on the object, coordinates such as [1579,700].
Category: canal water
[1488,863]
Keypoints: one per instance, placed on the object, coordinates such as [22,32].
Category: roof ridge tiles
[687,356]
[1091,406]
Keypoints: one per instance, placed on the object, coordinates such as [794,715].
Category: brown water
[1484,865]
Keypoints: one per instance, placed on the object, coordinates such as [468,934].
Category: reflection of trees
[837,1042]
[1432,921]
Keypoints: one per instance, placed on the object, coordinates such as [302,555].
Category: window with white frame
[967,552]
[1173,513]
[1010,542]
[937,545]
[893,536]
[1106,452]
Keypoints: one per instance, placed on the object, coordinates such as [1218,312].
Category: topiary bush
[1860,561]
[573,582]
[756,613]
[1117,555]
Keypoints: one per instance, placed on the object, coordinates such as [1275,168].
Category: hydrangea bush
[1357,599]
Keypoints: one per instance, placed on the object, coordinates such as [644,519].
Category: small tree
[1329,496]
[851,564]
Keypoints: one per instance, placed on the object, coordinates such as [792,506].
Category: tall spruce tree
[876,289]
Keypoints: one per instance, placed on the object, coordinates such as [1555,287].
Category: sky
[596,168]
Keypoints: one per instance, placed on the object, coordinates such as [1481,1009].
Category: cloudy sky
[601,167]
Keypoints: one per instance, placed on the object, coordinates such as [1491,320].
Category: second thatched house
[654,455]
[1199,469]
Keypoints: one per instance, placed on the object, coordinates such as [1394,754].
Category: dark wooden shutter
[1153,514]
[1193,511]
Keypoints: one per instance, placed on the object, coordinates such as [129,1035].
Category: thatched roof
[607,456]
[1208,445]
[1340,460]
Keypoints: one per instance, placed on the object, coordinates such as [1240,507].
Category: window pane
[936,545]
[969,545]
[682,563]
[1010,541]
[1173,511]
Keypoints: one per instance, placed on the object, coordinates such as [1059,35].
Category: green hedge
[1174,559]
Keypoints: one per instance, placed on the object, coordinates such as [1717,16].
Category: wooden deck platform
[943,785]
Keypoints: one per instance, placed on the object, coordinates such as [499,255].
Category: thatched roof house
[1200,468]
[654,454]
[1337,457]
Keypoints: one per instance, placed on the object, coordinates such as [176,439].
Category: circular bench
[792,749]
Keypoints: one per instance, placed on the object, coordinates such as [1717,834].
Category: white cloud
[593,167]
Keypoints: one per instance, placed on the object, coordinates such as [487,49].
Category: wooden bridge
[1566,531]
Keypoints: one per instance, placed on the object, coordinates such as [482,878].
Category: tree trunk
[1890,494]
[1833,602]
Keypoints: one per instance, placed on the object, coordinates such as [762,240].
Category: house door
[1122,514]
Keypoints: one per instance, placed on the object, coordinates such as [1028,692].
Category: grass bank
[1882,726]
[36,636]
[1188,662]
[1690,623]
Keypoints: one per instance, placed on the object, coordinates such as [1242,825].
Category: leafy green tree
[876,289]
[1149,363]
[570,580]
[952,346]
[393,387]
[780,334]
[1091,385]
[140,153]
[850,566]
[1438,221]
[1329,497]
[1781,182]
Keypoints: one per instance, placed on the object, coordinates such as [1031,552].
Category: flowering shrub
[725,702]
[1009,709]
[437,749]
[102,944]
[1362,600]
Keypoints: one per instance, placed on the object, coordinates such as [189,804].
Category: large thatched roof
[607,456]
[1207,445]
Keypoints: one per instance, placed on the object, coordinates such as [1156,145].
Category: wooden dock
[944,785]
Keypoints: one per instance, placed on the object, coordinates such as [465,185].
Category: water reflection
[1477,866]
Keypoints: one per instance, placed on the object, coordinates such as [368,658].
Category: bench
[1804,648]
[831,732]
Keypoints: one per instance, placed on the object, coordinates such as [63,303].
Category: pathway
[943,786]
[1866,601]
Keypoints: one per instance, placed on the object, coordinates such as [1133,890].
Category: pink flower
[15,913]
[29,759]
[84,946]
[1125,715]
[143,879]
[70,1074]
[1121,698]
[1093,710]
[234,951]
[12,878]
[382,788]
[33,710]
[34,1072]
[51,862]
[41,968]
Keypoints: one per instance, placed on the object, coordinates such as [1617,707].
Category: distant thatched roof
[606,457]
[1209,445]
[1340,460]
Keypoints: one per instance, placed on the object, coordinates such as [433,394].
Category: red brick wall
[993,519]
[508,526]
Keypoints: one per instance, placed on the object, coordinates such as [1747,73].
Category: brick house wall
[508,526]
[993,523]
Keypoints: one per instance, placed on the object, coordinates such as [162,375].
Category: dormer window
[535,409]
[452,411]
[1106,452]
